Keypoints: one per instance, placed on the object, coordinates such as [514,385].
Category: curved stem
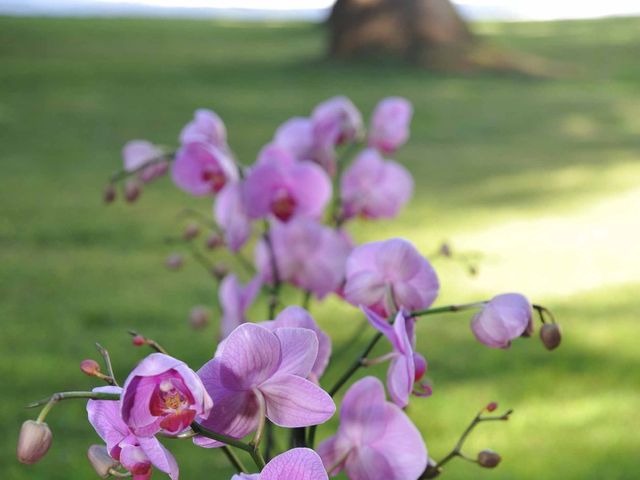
[355,366]
[255,453]
[277,281]
[448,308]
[111,378]
[152,343]
[122,174]
[50,402]
[234,460]
[456,451]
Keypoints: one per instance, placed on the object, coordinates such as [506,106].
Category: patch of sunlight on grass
[578,126]
[559,255]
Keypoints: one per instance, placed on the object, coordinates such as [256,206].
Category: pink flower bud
[214,241]
[491,407]
[504,318]
[192,231]
[199,317]
[132,191]
[109,193]
[551,335]
[445,250]
[488,459]
[34,441]
[101,461]
[90,367]
[220,270]
[139,340]
[174,261]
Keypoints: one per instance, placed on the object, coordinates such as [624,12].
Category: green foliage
[540,176]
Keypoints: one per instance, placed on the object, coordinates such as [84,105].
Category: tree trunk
[429,32]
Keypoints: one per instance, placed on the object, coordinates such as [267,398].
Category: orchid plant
[293,207]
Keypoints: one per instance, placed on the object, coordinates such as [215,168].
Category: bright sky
[496,9]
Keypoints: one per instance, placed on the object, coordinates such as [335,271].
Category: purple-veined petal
[401,445]
[104,416]
[251,355]
[160,457]
[295,464]
[298,317]
[361,413]
[365,463]
[293,402]
[299,348]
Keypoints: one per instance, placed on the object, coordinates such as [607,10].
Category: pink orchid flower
[206,127]
[258,372]
[203,169]
[295,464]
[407,366]
[281,186]
[390,124]
[230,212]
[375,440]
[336,121]
[298,317]
[296,136]
[308,255]
[504,318]
[373,187]
[163,394]
[136,454]
[333,122]
[380,274]
[136,153]
[235,300]
[300,137]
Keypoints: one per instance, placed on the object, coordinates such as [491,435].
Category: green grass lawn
[542,177]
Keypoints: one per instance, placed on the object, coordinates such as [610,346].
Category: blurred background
[526,153]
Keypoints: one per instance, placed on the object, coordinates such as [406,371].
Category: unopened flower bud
[174,261]
[488,459]
[199,317]
[214,241]
[109,193]
[551,335]
[220,270]
[132,191]
[34,441]
[491,407]
[139,340]
[101,461]
[191,231]
[90,367]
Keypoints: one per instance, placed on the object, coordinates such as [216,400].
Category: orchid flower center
[172,401]
[171,397]
[215,178]
[283,205]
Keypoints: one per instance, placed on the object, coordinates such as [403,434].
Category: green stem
[306,300]
[111,378]
[341,163]
[355,366]
[448,308]
[277,281]
[122,174]
[254,452]
[49,402]
[234,460]
[456,451]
